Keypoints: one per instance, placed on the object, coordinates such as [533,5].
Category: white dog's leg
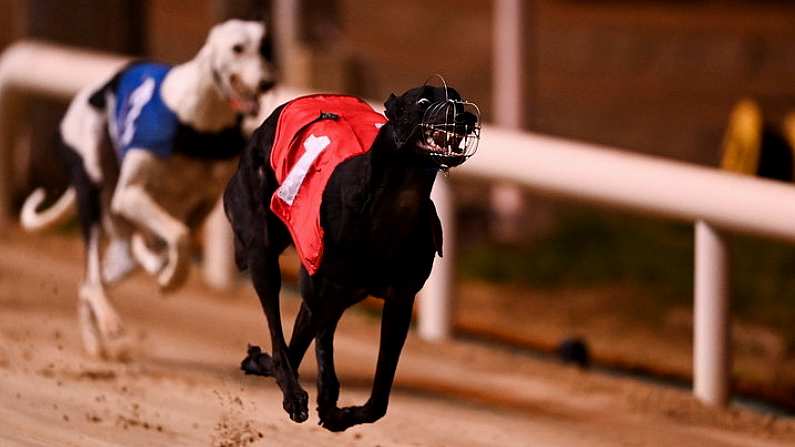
[117,261]
[100,324]
[151,261]
[133,202]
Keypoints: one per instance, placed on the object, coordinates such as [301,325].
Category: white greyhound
[148,153]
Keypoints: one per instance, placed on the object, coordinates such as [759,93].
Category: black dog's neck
[396,192]
[398,169]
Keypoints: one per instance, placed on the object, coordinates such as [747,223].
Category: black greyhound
[381,233]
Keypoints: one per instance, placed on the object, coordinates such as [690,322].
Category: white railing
[715,201]
[31,68]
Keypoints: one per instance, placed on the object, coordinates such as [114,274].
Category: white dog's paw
[117,262]
[176,270]
[150,260]
[92,340]
[117,349]
[97,310]
[100,327]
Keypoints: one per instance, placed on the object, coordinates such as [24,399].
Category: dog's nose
[265,85]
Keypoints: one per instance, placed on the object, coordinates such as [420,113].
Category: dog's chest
[380,234]
[180,184]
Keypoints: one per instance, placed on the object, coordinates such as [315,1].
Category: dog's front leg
[395,324]
[131,201]
[328,386]
[266,276]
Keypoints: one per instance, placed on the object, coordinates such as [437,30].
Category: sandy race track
[182,387]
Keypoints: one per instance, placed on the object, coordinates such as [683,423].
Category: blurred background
[657,77]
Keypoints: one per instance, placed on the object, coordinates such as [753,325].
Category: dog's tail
[61,211]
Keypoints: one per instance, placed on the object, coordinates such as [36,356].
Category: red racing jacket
[313,136]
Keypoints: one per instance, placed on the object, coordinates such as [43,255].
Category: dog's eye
[423,101]
[238,48]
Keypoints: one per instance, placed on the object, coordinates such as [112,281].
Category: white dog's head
[238,55]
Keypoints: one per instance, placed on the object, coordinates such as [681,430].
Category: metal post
[711,346]
[436,298]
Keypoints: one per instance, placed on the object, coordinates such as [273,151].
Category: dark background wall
[659,77]
[651,76]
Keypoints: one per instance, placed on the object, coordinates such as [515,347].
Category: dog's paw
[109,323]
[296,404]
[95,304]
[257,362]
[176,270]
[339,419]
[118,349]
[151,260]
[89,332]
[103,337]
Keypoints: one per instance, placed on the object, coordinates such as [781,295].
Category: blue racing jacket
[141,119]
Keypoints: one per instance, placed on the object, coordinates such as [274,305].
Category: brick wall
[651,76]
[659,78]
[398,45]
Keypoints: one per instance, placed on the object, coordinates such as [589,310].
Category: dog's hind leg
[261,364]
[101,326]
[266,277]
[304,330]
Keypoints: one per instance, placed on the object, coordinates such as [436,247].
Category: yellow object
[742,141]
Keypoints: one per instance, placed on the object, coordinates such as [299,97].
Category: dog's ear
[392,107]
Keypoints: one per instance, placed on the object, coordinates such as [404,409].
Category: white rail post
[508,47]
[711,326]
[436,300]
[291,56]
[508,63]
[218,263]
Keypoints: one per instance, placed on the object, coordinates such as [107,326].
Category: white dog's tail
[33,220]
